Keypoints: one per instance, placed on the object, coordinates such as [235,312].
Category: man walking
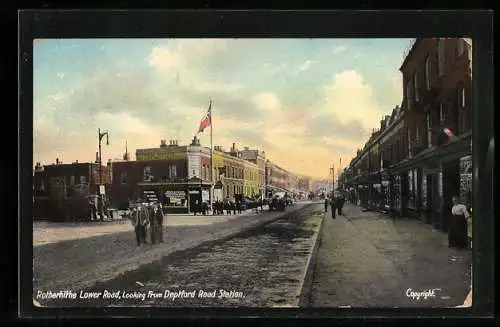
[326,204]
[340,203]
[333,205]
[152,223]
[159,217]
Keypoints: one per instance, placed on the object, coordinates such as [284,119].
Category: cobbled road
[263,267]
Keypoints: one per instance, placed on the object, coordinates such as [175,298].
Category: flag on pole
[448,133]
[206,121]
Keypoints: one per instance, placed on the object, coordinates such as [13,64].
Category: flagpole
[211,160]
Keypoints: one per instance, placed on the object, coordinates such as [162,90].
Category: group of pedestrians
[146,215]
[336,204]
[227,206]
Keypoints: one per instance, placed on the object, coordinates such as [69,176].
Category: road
[262,267]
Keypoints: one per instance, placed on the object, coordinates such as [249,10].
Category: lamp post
[332,170]
[101,136]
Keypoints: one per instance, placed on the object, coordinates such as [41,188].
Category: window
[147,174]
[72,180]
[442,114]
[172,171]
[408,95]
[461,97]
[123,177]
[409,142]
[428,72]
[429,129]
[415,86]
[460,47]
[417,134]
[441,60]
[83,180]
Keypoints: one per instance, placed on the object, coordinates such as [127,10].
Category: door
[194,202]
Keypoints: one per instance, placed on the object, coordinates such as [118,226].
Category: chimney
[246,148]
[163,143]
[97,157]
[234,147]
[109,162]
[57,161]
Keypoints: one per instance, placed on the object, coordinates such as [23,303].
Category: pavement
[79,263]
[367,259]
[50,232]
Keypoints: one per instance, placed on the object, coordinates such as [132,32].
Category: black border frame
[477,24]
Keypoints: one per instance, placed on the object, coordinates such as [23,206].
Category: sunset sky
[305,102]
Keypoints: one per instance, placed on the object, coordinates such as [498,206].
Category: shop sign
[150,196]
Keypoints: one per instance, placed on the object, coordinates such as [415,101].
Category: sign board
[156,155]
[150,196]
[194,192]
[205,196]
[102,189]
[175,194]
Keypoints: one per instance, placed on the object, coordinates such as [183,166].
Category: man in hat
[160,216]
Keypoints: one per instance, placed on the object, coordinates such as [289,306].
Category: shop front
[176,198]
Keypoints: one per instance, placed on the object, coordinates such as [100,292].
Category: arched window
[428,72]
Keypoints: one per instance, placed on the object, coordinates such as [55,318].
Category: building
[259,158]
[177,176]
[305,184]
[410,165]
[276,177]
[181,176]
[61,190]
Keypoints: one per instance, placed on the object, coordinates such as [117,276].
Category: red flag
[206,120]
[448,133]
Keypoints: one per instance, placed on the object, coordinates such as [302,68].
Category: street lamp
[332,170]
[101,136]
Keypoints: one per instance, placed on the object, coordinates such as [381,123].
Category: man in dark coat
[333,205]
[159,217]
[326,204]
[152,223]
[340,203]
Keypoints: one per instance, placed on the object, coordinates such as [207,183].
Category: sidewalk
[80,263]
[367,259]
[46,232]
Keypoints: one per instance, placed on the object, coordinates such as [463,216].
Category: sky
[308,103]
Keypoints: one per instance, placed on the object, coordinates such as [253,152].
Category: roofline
[416,42]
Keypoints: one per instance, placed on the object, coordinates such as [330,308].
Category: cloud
[306,65]
[267,101]
[328,125]
[350,99]
[60,75]
[339,49]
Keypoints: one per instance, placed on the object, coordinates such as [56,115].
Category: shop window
[83,179]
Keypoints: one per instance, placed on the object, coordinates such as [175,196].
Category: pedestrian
[333,206]
[204,208]
[233,206]
[238,206]
[135,219]
[152,222]
[143,220]
[227,206]
[340,204]
[457,227]
[326,204]
[160,217]
[195,207]
[92,209]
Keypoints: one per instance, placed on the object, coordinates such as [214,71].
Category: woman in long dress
[457,231]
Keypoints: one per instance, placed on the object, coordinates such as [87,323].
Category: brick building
[410,165]
[60,190]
